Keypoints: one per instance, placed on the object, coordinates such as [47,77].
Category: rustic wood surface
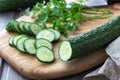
[29,66]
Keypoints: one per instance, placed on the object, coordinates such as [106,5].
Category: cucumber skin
[7,5]
[95,39]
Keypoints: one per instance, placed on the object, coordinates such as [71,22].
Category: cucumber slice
[29,46]
[43,42]
[20,43]
[27,28]
[44,54]
[16,26]
[46,34]
[57,34]
[15,39]
[10,26]
[11,40]
[21,26]
[35,28]
[65,51]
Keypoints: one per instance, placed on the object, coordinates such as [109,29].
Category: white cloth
[110,70]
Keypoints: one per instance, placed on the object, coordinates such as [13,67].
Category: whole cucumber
[7,5]
[91,41]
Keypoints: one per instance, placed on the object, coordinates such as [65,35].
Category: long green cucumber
[90,41]
[6,5]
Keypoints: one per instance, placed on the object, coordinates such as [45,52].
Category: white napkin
[110,70]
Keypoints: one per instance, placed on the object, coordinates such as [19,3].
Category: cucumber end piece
[65,51]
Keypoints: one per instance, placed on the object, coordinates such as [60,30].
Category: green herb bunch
[63,18]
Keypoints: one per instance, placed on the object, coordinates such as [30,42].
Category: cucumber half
[65,51]
[44,54]
[91,41]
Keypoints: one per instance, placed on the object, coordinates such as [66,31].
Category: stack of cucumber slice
[23,27]
[41,48]
[49,34]
[40,45]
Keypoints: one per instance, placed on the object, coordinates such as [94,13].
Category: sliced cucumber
[16,26]
[57,34]
[29,46]
[35,28]
[43,42]
[10,26]
[11,40]
[46,34]
[65,51]
[27,28]
[44,54]
[20,43]
[14,42]
[21,26]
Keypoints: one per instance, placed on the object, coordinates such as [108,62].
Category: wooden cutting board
[30,67]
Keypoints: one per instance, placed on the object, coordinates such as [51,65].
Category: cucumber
[14,41]
[35,28]
[20,43]
[11,40]
[27,28]
[57,34]
[10,26]
[16,26]
[6,5]
[29,46]
[45,54]
[91,41]
[43,42]
[46,34]
[21,26]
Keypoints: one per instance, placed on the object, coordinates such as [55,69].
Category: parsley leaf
[55,12]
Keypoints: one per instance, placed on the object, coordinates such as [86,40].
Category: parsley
[62,18]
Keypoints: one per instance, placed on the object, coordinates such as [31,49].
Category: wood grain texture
[30,67]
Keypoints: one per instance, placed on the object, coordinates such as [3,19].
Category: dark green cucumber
[91,41]
[6,5]
[45,54]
